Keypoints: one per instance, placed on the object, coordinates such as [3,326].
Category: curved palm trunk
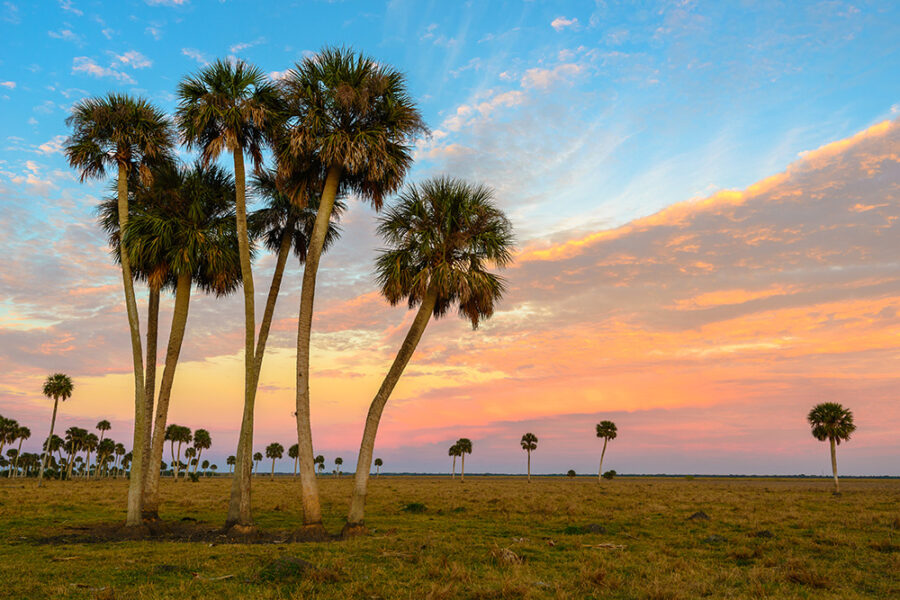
[47,449]
[176,337]
[199,454]
[367,446]
[239,503]
[150,380]
[529,466]
[602,454]
[135,485]
[309,487]
[837,488]
[453,472]
[18,453]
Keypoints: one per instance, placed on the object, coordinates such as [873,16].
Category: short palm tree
[320,460]
[337,464]
[465,447]
[22,434]
[274,451]
[59,387]
[529,442]
[294,453]
[230,462]
[454,452]
[831,421]
[606,430]
[90,444]
[105,449]
[354,116]
[442,236]
[378,465]
[131,135]
[256,458]
[234,107]
[120,453]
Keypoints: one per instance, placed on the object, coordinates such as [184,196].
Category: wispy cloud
[560,23]
[87,66]
[66,35]
[132,58]
[8,84]
[68,6]
[241,46]
[196,55]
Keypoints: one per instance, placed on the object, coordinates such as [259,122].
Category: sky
[705,197]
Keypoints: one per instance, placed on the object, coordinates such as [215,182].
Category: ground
[490,537]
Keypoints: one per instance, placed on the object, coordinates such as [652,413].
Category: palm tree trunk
[239,503]
[199,454]
[309,487]
[47,449]
[18,453]
[273,470]
[150,379]
[367,446]
[135,485]
[295,468]
[837,489]
[600,470]
[178,462]
[462,468]
[529,466]
[172,453]
[176,337]
[453,472]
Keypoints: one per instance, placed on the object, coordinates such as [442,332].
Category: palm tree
[75,439]
[103,426]
[130,134]
[442,235]
[606,430]
[230,462]
[529,442]
[256,458]
[355,117]
[454,452]
[202,441]
[234,106]
[378,465]
[337,463]
[831,421]
[22,434]
[294,452]
[89,445]
[274,451]
[465,447]
[120,453]
[59,387]
[204,466]
[105,450]
[320,460]
[8,429]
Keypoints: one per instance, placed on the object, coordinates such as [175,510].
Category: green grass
[492,537]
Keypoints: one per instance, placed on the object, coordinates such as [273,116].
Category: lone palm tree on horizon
[608,431]
[59,387]
[831,421]
[454,452]
[529,442]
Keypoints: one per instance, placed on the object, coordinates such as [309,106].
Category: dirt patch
[169,531]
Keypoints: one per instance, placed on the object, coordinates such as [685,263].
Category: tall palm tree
[454,452]
[75,439]
[257,456]
[234,106]
[465,447]
[529,442]
[8,429]
[337,464]
[130,134]
[378,465]
[355,116]
[103,426]
[230,462]
[442,235]
[22,434]
[202,441]
[294,452]
[606,430]
[274,451]
[120,453]
[831,421]
[89,445]
[59,387]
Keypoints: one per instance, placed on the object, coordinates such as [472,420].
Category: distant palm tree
[831,421]
[320,460]
[130,134]
[234,106]
[105,450]
[181,435]
[465,447]
[103,426]
[89,445]
[256,458]
[606,430]
[442,236]
[529,443]
[202,441]
[59,387]
[230,462]
[355,116]
[294,452]
[337,463]
[120,453]
[378,464]
[22,434]
[274,451]
[454,452]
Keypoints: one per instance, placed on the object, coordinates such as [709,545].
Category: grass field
[492,537]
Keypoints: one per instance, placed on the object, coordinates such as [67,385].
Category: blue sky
[589,119]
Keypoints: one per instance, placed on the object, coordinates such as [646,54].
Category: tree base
[836,494]
[240,529]
[313,532]
[354,530]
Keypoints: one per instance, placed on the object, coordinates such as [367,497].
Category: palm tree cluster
[339,124]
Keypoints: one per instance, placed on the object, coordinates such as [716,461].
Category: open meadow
[491,537]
